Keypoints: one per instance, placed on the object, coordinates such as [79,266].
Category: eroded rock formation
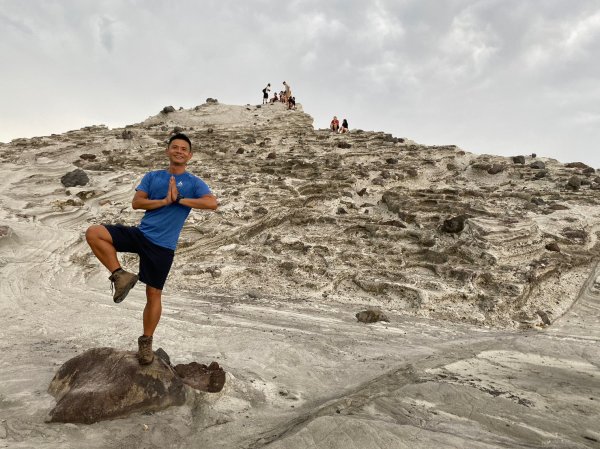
[363,217]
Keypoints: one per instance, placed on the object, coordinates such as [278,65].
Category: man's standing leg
[152,313]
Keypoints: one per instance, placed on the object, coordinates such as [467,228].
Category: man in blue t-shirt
[167,196]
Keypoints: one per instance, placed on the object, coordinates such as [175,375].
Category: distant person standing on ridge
[167,196]
[344,126]
[287,92]
[265,92]
[334,126]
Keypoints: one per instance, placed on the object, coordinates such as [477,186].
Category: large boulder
[105,383]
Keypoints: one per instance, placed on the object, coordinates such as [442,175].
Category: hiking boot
[122,282]
[145,354]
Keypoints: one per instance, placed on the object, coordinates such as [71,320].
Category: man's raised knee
[94,232]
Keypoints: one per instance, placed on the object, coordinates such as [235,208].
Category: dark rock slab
[518,159]
[495,169]
[544,316]
[553,246]
[484,166]
[167,109]
[574,183]
[105,383]
[371,316]
[538,165]
[557,206]
[344,145]
[75,178]
[454,225]
[577,165]
[393,200]
[209,378]
[538,201]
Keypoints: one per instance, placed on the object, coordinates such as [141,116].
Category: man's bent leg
[101,243]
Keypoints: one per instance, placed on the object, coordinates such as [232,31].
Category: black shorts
[155,261]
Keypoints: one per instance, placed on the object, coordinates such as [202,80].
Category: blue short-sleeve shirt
[162,226]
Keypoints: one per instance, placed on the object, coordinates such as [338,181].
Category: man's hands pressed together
[173,192]
[141,201]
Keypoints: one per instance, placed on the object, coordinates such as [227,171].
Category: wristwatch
[179,198]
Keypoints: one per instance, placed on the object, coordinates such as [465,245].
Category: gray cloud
[105,32]
[497,76]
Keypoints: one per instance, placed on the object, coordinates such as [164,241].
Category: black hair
[181,136]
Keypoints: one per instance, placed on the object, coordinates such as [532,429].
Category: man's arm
[204,202]
[141,201]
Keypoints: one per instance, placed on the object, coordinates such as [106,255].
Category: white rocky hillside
[362,218]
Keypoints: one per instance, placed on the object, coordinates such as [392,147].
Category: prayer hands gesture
[172,192]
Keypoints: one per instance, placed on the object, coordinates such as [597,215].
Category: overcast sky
[492,76]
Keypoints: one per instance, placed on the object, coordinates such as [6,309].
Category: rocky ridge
[365,217]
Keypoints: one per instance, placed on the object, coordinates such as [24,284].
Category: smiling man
[167,196]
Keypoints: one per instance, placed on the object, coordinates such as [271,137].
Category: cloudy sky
[492,76]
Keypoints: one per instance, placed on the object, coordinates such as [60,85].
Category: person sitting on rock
[167,196]
[275,99]
[344,128]
[334,126]
[265,92]
[292,103]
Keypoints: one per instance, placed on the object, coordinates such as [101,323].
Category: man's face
[179,152]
